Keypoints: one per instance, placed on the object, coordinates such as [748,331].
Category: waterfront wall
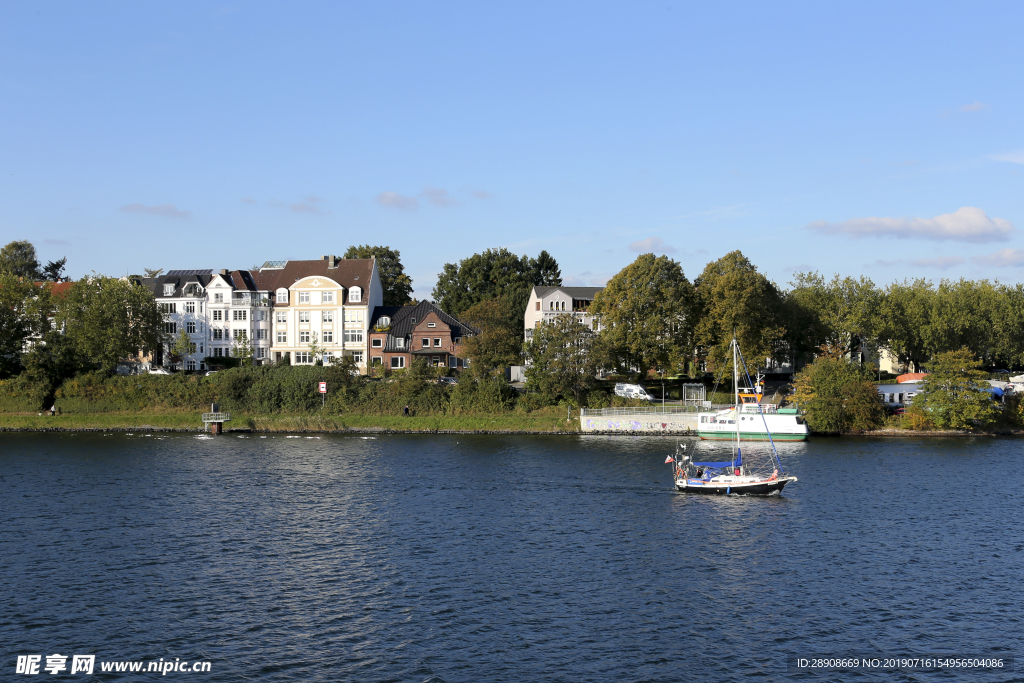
[640,421]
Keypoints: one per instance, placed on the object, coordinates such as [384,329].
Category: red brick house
[400,334]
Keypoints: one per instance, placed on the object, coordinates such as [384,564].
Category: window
[465,363]
[218,298]
[458,340]
[261,353]
[538,305]
[328,337]
[259,315]
[397,362]
[261,334]
[303,357]
[241,334]
[218,334]
[436,361]
[201,350]
[426,343]
[437,342]
[377,343]
[431,325]
[328,297]
[357,357]
[170,328]
[328,357]
[190,365]
[282,337]
[239,315]
[168,290]
[190,306]
[353,336]
[218,352]
[303,337]
[282,296]
[384,321]
[399,342]
[355,316]
[218,315]
[168,308]
[328,316]
[190,328]
[355,295]
[453,362]
[303,297]
[282,317]
[303,316]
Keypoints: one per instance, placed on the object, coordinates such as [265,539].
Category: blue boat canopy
[722,465]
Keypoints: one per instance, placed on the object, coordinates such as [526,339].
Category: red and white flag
[669,459]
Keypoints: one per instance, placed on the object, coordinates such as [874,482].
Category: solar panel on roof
[274,264]
[180,273]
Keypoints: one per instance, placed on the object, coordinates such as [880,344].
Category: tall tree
[734,298]
[108,319]
[495,272]
[560,363]
[18,258]
[19,319]
[396,284]
[843,312]
[500,342]
[53,271]
[647,313]
[838,396]
[904,318]
[953,394]
[182,348]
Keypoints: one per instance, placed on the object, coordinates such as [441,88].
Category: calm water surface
[490,558]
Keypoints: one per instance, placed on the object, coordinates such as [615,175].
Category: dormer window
[168,290]
[399,342]
[355,295]
[431,324]
[384,321]
[282,296]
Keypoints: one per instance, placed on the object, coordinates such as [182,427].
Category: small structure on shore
[215,419]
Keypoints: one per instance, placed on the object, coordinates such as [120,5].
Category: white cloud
[438,196]
[1013,258]
[940,262]
[480,194]
[967,224]
[1012,157]
[166,210]
[653,245]
[977,106]
[396,201]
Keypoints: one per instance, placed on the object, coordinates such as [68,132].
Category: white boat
[758,472]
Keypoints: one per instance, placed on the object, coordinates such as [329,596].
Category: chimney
[332,262]
[223,271]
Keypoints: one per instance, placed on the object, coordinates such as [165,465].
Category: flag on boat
[669,459]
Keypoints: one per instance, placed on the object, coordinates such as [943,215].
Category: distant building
[548,302]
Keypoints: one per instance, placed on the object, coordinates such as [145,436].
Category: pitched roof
[156,284]
[348,273]
[574,292]
[405,318]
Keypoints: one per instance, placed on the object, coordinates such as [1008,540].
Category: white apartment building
[239,312]
[181,298]
[548,302]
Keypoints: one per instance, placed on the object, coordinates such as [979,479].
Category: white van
[633,391]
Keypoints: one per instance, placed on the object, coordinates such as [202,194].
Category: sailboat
[758,473]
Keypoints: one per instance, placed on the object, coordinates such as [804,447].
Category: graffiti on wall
[599,425]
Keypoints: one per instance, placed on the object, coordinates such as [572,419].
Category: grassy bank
[539,421]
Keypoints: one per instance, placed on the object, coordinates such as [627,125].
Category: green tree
[241,349]
[964,314]
[500,342]
[18,258]
[735,299]
[183,347]
[843,312]
[904,319]
[316,350]
[396,285]
[647,314]
[495,272]
[53,271]
[107,319]
[18,320]
[954,393]
[559,359]
[50,361]
[838,396]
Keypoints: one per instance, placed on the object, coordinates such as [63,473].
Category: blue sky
[866,139]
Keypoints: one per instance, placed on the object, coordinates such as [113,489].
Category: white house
[548,302]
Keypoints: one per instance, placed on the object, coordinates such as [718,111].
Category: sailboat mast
[736,391]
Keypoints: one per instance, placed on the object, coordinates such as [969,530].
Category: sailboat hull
[750,436]
[759,488]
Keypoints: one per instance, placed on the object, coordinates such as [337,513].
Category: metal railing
[651,410]
[216,417]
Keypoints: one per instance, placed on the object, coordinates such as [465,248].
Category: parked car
[633,391]
[211,372]
[159,371]
[449,381]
